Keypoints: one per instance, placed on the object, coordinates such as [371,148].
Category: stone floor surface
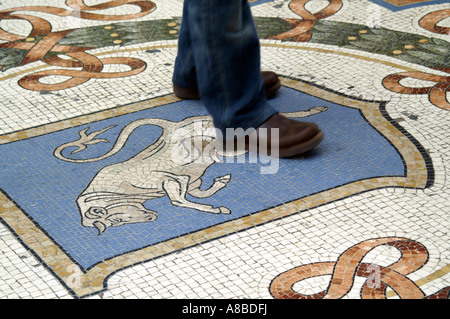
[100,198]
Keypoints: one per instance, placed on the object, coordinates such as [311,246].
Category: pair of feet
[294,137]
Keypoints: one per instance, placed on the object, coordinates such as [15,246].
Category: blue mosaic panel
[46,188]
[392,4]
[257,2]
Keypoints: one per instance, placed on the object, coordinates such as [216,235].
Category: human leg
[184,80]
[220,45]
[220,49]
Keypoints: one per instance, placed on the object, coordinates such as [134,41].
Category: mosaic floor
[94,205]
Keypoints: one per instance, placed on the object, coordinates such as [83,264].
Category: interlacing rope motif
[437,93]
[431,20]
[301,31]
[91,66]
[343,272]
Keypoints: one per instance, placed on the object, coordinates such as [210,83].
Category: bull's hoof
[222,180]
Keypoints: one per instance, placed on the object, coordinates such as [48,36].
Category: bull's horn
[100,227]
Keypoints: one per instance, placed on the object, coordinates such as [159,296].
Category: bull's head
[101,211]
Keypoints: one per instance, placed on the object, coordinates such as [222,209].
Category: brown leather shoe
[294,137]
[271,84]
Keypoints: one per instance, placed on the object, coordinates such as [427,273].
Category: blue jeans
[219,54]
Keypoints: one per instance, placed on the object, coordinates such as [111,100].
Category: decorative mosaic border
[85,282]
[401,5]
[413,255]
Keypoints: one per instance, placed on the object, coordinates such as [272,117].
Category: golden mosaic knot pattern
[431,20]
[48,43]
[91,69]
[437,93]
[349,265]
[301,31]
[384,85]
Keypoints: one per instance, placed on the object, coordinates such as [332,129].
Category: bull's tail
[87,139]
[306,113]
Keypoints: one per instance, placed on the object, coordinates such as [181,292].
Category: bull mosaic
[171,166]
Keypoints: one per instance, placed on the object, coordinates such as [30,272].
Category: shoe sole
[192,94]
[186,93]
[304,147]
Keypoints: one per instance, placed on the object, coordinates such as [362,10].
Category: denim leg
[226,61]
[184,74]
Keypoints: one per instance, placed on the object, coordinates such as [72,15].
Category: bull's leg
[176,191]
[219,183]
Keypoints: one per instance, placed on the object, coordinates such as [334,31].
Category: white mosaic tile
[243,265]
